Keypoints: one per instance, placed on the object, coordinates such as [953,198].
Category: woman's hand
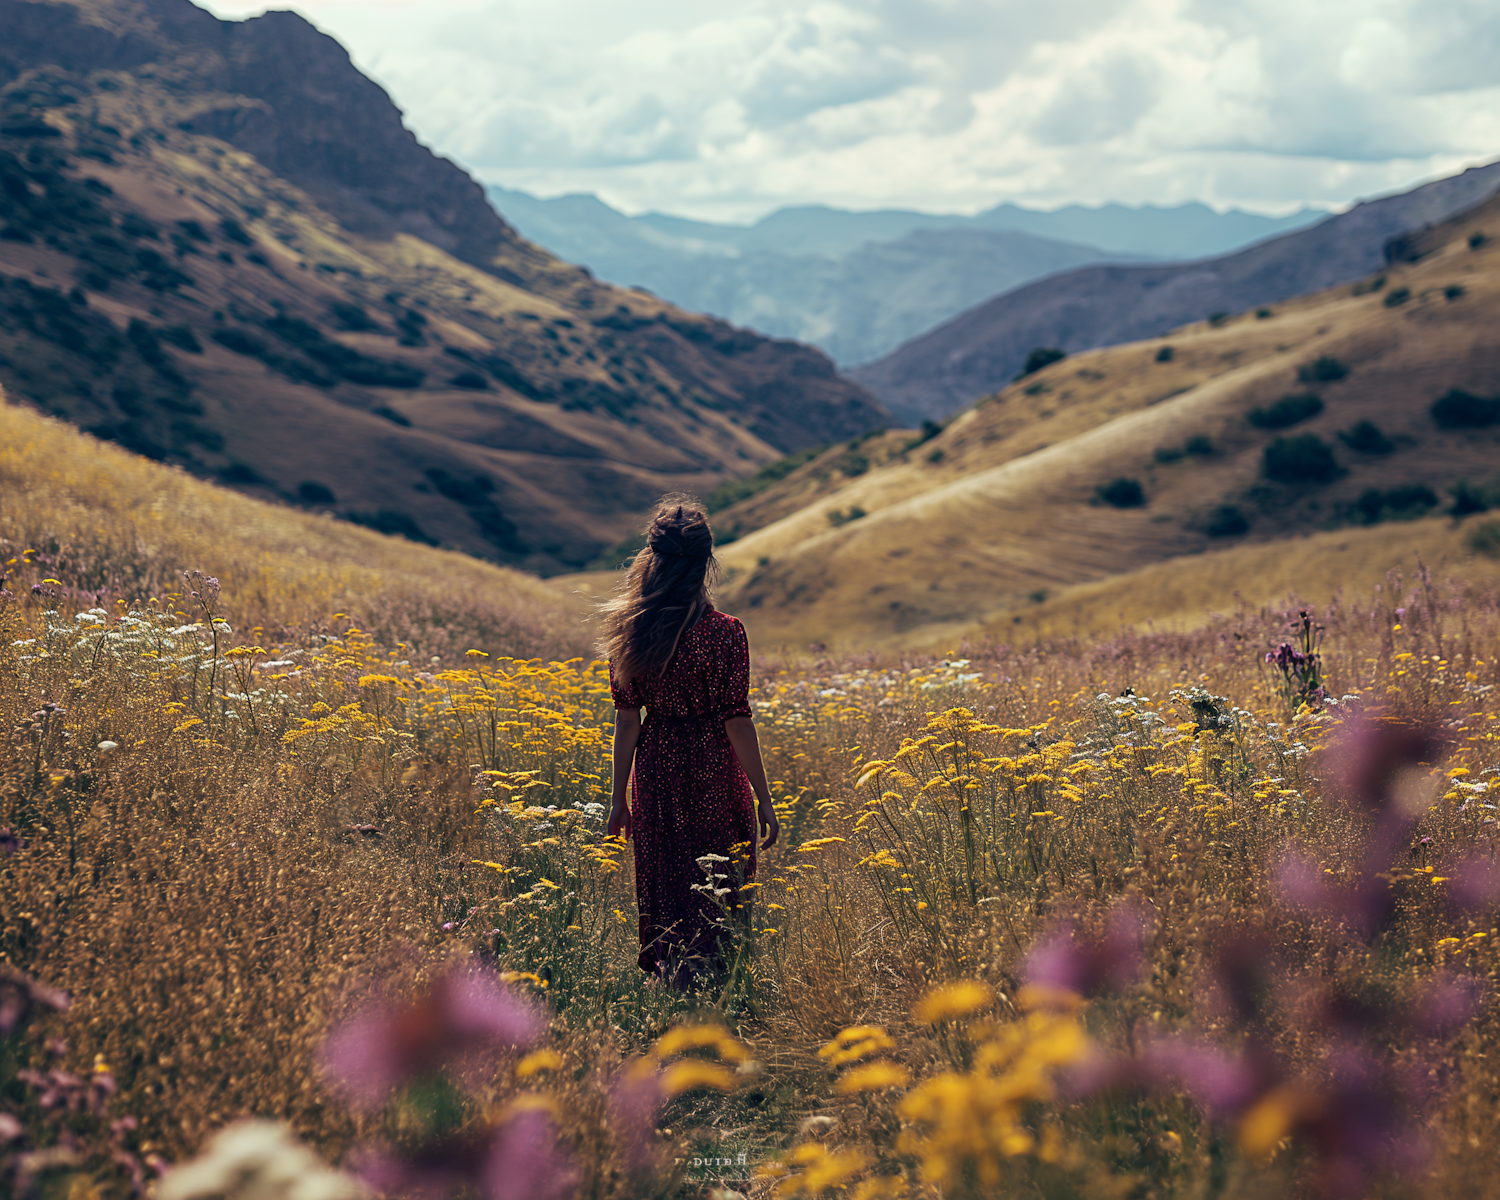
[619,820]
[770,827]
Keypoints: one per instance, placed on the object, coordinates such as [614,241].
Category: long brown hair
[668,587]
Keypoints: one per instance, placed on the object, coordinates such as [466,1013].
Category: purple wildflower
[524,1162]
[1475,886]
[1374,761]
[465,1010]
[518,1159]
[634,1102]
[20,995]
[1066,961]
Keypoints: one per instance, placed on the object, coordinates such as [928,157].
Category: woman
[699,783]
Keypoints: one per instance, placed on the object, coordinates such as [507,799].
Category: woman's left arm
[627,734]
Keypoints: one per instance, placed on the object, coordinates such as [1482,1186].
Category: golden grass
[112,523]
[220,888]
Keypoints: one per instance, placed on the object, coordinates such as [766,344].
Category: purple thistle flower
[1064,960]
[465,1010]
[9,842]
[1475,886]
[518,1159]
[20,995]
[1223,1085]
[1447,1006]
[525,1163]
[1373,760]
[634,1101]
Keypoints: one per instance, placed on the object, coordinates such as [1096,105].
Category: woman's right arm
[627,734]
[742,737]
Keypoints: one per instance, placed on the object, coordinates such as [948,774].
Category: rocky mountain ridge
[220,247]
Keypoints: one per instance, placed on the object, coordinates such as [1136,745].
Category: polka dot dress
[691,797]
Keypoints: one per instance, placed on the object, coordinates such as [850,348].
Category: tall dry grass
[111,525]
[230,836]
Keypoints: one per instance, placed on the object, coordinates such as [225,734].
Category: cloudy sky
[726,110]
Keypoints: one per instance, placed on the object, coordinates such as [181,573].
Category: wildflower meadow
[293,910]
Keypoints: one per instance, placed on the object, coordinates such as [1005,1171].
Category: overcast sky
[725,111]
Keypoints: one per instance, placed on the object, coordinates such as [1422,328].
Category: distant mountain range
[858,284]
[980,351]
[221,248]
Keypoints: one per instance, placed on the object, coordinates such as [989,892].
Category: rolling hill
[112,526]
[858,284]
[220,247]
[1200,462]
[983,349]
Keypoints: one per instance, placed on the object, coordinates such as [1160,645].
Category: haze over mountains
[220,248]
[981,350]
[858,284]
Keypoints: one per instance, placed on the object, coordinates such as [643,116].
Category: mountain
[858,284]
[221,248]
[984,348]
[1250,456]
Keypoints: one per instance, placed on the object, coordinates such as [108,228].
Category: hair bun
[681,532]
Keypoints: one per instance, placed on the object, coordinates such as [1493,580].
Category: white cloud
[726,109]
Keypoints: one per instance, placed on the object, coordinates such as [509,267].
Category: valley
[1283,450]
[204,261]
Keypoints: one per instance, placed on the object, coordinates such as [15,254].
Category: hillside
[1001,513]
[983,349]
[220,248]
[858,284]
[108,524]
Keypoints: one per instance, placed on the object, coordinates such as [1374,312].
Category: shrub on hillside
[393,523]
[1042,356]
[1122,493]
[929,430]
[1469,499]
[773,472]
[1397,296]
[1397,504]
[1324,369]
[1227,521]
[1165,354]
[1485,539]
[1288,411]
[314,493]
[1304,459]
[1199,444]
[1367,438]
[1458,409]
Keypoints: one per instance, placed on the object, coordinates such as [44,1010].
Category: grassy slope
[965,542]
[108,520]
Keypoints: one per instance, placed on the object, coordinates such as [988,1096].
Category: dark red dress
[691,794]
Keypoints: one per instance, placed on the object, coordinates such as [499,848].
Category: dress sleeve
[623,695]
[729,682]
